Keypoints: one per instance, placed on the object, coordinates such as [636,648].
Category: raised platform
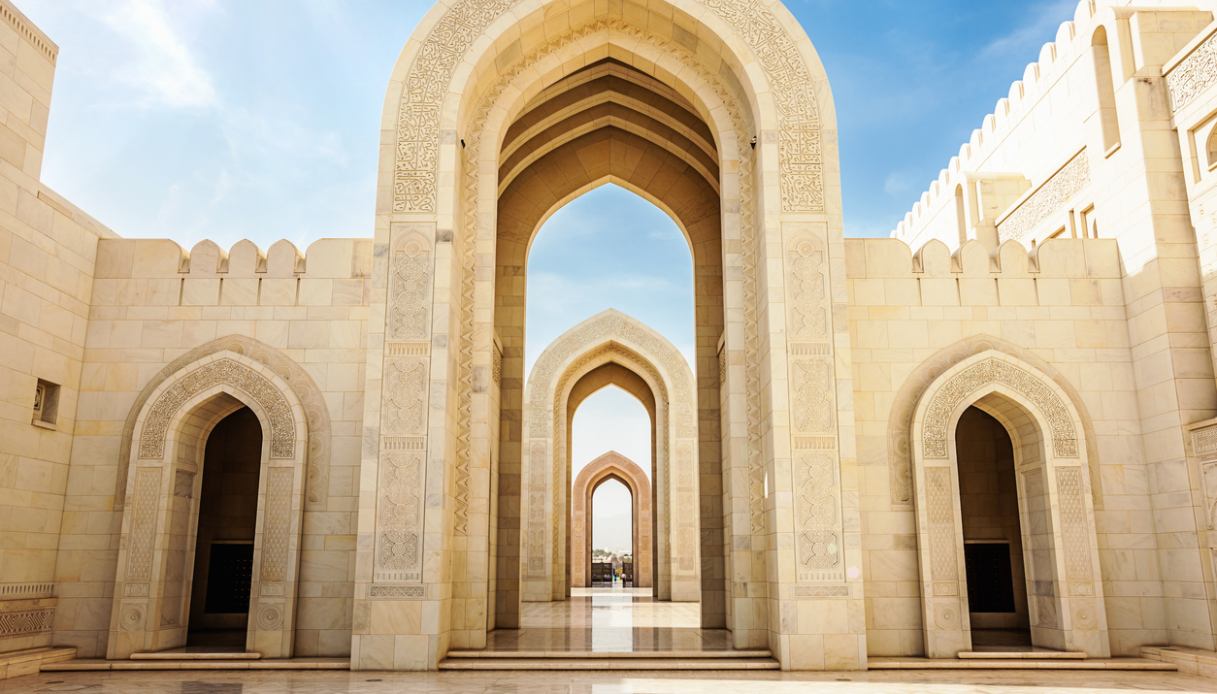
[878,663]
[612,661]
[1034,654]
[200,664]
[197,654]
[1191,661]
[31,660]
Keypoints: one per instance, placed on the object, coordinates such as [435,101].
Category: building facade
[1001,419]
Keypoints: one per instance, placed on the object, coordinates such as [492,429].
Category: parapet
[882,258]
[324,258]
[1072,41]
[161,272]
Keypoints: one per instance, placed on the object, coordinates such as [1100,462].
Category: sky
[259,119]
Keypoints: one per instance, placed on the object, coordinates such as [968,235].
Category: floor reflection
[610,620]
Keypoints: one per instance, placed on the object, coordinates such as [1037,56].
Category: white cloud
[163,70]
[1040,28]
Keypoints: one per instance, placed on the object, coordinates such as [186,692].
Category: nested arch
[164,476]
[609,338]
[458,46]
[312,404]
[900,418]
[611,465]
[1064,585]
[750,75]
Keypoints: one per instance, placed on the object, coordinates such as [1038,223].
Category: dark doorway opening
[992,534]
[223,557]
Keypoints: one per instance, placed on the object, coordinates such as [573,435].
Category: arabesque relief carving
[996,371]
[221,372]
[1194,74]
[1047,199]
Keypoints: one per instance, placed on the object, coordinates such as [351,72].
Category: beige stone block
[278,292]
[239,291]
[200,292]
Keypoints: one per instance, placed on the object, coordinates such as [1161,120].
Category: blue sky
[259,119]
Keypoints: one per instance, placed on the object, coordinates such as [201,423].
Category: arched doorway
[992,533]
[611,466]
[1064,591]
[611,563]
[719,113]
[610,348]
[224,539]
[156,563]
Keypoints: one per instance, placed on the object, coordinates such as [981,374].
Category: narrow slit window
[1108,118]
[960,217]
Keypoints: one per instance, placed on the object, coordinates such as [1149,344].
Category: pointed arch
[610,337]
[285,368]
[900,418]
[171,422]
[611,465]
[1065,590]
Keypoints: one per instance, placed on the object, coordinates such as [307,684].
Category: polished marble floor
[610,620]
[927,682]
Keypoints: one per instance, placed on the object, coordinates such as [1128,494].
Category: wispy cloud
[1040,28]
[164,70]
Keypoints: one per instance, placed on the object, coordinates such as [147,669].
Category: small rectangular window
[46,404]
[1089,227]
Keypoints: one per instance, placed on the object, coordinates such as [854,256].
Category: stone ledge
[31,661]
[1191,661]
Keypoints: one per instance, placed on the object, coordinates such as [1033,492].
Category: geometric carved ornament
[992,370]
[228,372]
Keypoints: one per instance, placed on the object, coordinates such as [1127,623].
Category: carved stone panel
[1047,199]
[415,168]
[409,301]
[277,523]
[1075,526]
[940,513]
[996,371]
[221,372]
[1194,74]
[405,396]
[141,538]
[793,87]
[399,513]
[818,517]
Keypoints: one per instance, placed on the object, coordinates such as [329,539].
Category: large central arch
[718,111]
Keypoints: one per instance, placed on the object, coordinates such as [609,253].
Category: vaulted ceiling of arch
[609,121]
[611,374]
[608,94]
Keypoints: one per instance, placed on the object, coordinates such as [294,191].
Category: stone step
[28,661]
[1022,655]
[609,664]
[655,655]
[160,664]
[178,654]
[1192,661]
[875,663]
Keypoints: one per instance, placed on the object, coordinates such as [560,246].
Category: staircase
[759,659]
